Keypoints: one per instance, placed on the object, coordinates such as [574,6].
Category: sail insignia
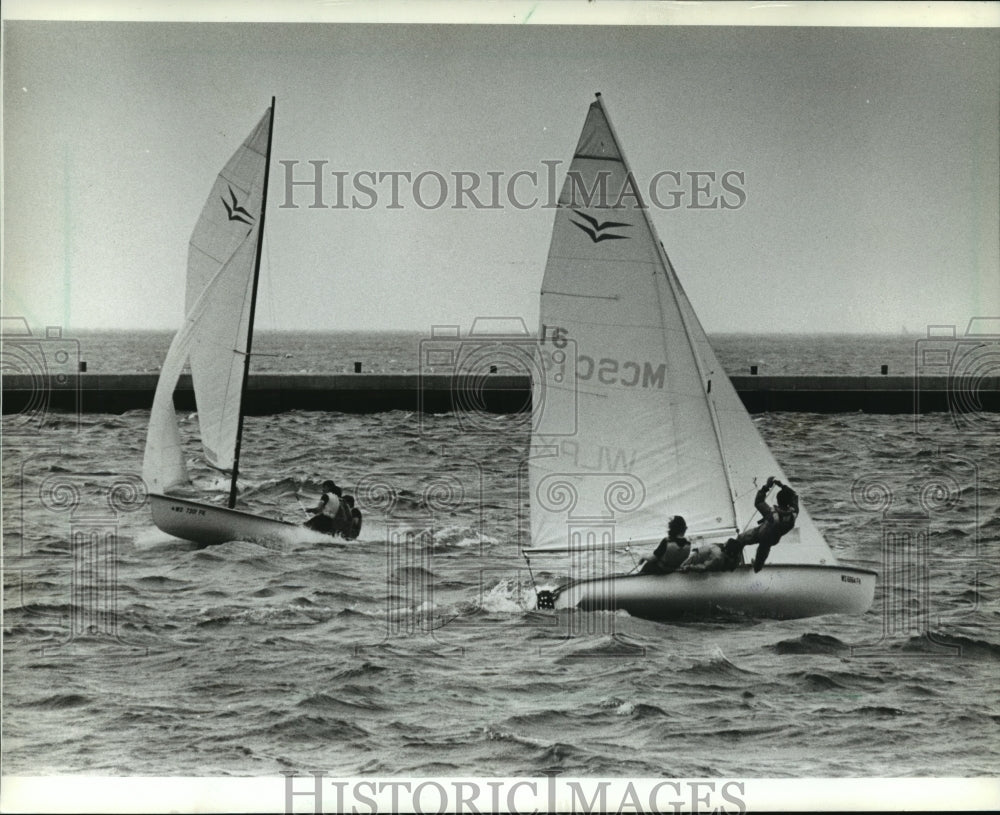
[596,230]
[235,211]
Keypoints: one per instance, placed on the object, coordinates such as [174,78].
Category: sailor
[774,523]
[353,527]
[326,511]
[713,557]
[672,551]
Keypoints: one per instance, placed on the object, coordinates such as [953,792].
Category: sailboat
[634,421]
[215,340]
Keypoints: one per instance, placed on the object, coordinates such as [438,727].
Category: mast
[253,309]
[672,282]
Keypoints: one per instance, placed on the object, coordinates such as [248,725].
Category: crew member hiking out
[775,522]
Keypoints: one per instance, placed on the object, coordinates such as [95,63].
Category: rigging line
[583,296]
[534,585]
[306,511]
[634,261]
[635,563]
[649,326]
[253,308]
[752,514]
[678,294]
[674,284]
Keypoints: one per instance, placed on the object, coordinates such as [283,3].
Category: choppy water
[425,658]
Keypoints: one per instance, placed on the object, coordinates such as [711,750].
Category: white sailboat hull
[781,591]
[208,524]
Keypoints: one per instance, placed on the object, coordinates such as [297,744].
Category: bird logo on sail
[235,211]
[596,229]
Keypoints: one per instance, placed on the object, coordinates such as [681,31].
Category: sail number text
[607,370]
[188,510]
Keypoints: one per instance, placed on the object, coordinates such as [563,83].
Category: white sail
[163,462]
[231,213]
[654,427]
[163,465]
[213,339]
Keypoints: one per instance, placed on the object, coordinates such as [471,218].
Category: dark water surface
[425,657]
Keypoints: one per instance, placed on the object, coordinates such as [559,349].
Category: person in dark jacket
[352,528]
[776,521]
[672,551]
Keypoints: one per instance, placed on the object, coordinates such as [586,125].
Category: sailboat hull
[208,524]
[781,591]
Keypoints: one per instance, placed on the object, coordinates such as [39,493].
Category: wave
[810,644]
[957,644]
[60,701]
[326,703]
[737,733]
[366,670]
[491,733]
[44,609]
[823,680]
[612,645]
[509,596]
[716,666]
[459,537]
[310,728]
[992,524]
[878,710]
[282,615]
[412,574]
[161,582]
[637,710]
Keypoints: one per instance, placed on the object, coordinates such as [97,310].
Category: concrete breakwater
[495,393]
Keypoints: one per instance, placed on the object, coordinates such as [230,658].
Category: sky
[863,165]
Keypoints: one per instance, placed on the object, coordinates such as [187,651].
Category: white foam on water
[152,538]
[508,596]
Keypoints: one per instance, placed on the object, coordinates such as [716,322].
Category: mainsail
[213,339]
[634,418]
